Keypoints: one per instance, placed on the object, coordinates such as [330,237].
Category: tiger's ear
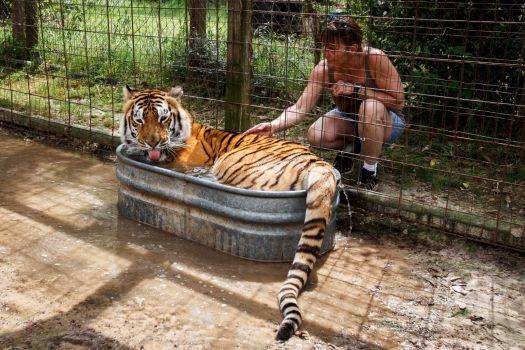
[128,93]
[176,92]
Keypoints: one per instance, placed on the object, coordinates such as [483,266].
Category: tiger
[156,124]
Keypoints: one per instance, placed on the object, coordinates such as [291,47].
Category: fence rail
[63,62]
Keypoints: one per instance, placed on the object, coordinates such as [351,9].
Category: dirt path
[75,275]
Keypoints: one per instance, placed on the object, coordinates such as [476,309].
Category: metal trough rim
[207,183]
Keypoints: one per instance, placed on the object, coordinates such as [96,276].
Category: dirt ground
[74,275]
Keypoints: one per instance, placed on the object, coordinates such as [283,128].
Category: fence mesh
[458,164]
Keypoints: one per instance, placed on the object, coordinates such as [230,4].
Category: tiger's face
[154,122]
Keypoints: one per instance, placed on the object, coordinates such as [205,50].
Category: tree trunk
[31,29]
[197,38]
[311,26]
[197,9]
[18,18]
[25,28]
[239,65]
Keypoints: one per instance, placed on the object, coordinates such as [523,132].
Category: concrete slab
[75,275]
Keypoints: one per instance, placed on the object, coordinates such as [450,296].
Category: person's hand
[342,88]
[264,129]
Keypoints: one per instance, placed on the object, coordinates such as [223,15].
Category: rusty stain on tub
[256,225]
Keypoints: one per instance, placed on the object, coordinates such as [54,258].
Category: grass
[147,44]
[461,313]
[431,161]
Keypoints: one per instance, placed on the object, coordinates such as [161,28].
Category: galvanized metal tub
[256,225]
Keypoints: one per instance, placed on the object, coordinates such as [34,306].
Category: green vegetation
[461,313]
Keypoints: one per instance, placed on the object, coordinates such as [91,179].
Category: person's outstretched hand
[264,129]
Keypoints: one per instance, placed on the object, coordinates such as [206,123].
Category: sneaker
[343,162]
[368,180]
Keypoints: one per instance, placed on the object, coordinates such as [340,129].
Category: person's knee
[371,113]
[312,136]
[316,136]
[371,109]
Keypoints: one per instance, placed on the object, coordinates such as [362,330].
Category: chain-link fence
[458,165]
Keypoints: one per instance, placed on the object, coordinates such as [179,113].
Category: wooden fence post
[239,65]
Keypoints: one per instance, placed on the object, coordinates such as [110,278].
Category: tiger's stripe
[156,121]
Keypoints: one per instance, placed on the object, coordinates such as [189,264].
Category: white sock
[349,148]
[371,167]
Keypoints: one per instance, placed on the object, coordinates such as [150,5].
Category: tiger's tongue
[154,154]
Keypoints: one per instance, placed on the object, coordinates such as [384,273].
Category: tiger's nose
[153,141]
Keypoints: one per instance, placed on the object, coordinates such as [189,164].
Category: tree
[25,28]
[197,37]
[5,9]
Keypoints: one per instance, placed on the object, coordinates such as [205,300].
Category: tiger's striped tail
[321,188]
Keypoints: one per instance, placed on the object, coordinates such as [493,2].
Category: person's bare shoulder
[322,64]
[375,55]
[379,62]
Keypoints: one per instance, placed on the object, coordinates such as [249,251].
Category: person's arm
[389,87]
[295,114]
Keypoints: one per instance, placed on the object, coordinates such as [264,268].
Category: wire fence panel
[457,165]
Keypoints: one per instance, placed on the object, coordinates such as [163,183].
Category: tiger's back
[245,161]
[263,163]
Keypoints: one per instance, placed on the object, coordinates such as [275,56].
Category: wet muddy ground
[74,275]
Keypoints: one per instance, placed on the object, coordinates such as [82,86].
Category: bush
[460,69]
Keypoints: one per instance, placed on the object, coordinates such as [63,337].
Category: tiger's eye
[163,118]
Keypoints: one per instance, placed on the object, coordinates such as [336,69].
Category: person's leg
[375,127]
[330,131]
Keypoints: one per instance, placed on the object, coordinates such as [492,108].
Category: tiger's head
[154,122]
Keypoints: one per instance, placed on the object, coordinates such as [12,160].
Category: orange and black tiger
[155,123]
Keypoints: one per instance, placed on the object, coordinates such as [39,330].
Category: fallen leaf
[454,278]
[459,289]
[494,213]
[487,158]
[434,272]
[429,281]
[507,199]
[302,334]
[475,318]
